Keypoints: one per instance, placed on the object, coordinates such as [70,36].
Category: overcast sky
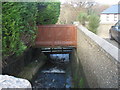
[110,2]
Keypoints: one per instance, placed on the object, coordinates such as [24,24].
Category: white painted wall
[109,18]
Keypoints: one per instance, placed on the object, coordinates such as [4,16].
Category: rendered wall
[99,59]
[78,75]
[109,19]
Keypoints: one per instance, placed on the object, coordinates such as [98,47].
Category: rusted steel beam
[55,49]
[56,36]
[54,46]
[57,52]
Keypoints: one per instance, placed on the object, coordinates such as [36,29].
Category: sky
[109,2]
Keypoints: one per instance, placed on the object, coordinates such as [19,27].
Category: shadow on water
[55,73]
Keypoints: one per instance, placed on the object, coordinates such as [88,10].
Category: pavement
[113,42]
[103,32]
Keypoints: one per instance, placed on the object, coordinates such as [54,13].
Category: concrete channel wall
[16,63]
[98,59]
[26,64]
[78,75]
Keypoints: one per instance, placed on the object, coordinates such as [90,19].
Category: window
[115,17]
[107,17]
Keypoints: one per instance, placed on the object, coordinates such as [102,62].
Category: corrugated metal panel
[56,35]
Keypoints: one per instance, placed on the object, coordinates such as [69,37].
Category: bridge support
[57,50]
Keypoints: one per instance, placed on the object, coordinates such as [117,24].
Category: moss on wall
[79,79]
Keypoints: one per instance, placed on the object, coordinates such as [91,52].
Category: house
[110,15]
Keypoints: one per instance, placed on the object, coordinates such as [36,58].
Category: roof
[113,9]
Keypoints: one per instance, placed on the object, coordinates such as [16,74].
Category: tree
[82,18]
[93,23]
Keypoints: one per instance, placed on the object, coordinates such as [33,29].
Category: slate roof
[115,9]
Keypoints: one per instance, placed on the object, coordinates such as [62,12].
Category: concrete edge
[108,47]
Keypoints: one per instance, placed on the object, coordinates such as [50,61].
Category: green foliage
[81,83]
[92,18]
[19,23]
[82,17]
[48,13]
[93,23]
[90,11]
[17,19]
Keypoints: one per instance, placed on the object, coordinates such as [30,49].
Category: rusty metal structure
[56,36]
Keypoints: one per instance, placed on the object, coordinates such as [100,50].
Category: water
[55,73]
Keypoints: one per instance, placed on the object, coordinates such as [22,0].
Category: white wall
[108,18]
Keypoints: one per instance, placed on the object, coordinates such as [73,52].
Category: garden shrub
[82,18]
[93,23]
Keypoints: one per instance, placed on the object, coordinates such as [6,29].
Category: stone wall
[98,58]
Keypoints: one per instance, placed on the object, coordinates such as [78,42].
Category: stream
[55,73]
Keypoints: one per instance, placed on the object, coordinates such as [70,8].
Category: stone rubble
[7,81]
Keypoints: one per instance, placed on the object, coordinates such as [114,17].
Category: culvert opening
[56,72]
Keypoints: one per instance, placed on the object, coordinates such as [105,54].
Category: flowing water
[55,73]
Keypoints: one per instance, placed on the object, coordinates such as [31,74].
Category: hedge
[48,13]
[19,23]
